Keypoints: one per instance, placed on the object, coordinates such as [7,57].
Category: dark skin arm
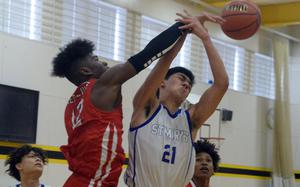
[106,93]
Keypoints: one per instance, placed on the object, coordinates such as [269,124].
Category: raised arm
[157,47]
[145,98]
[210,99]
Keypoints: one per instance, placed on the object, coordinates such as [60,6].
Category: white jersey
[19,185]
[161,152]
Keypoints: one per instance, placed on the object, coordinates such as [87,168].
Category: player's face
[97,67]
[180,85]
[204,165]
[31,164]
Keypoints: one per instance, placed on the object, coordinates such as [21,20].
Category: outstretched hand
[196,23]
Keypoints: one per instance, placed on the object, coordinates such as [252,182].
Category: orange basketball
[242,19]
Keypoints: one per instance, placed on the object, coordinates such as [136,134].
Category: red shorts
[76,180]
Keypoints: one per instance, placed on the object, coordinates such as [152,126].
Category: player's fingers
[187,26]
[181,15]
[219,19]
[182,20]
[209,18]
[187,13]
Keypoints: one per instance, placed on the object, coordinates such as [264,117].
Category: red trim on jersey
[191,184]
[94,151]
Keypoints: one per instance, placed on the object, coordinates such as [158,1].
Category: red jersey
[191,184]
[94,151]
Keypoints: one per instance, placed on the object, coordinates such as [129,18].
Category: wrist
[205,38]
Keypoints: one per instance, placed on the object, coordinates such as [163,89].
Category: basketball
[243,19]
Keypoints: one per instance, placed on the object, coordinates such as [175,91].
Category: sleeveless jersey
[41,185]
[191,184]
[94,151]
[161,151]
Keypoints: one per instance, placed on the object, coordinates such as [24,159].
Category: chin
[204,175]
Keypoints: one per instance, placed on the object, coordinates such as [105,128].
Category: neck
[172,106]
[30,182]
[201,182]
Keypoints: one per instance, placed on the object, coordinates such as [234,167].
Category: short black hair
[16,156]
[209,148]
[69,55]
[182,70]
[178,69]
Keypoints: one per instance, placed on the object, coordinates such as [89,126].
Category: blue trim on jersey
[187,171]
[192,147]
[190,124]
[134,150]
[170,114]
[19,185]
[147,121]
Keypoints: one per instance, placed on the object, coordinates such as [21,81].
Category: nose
[187,85]
[204,163]
[38,158]
[104,63]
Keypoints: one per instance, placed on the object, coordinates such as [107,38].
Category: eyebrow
[95,57]
[186,78]
[34,154]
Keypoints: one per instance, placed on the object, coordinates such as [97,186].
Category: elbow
[223,84]
[226,82]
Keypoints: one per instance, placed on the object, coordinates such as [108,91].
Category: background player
[26,165]
[207,162]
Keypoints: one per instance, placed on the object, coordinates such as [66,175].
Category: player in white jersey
[160,138]
[26,164]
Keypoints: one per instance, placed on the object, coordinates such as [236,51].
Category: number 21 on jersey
[169,154]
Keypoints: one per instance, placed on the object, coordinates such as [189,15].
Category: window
[262,76]
[102,23]
[150,28]
[22,18]
[119,33]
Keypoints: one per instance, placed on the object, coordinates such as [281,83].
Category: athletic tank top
[41,185]
[161,152]
[191,184]
[94,147]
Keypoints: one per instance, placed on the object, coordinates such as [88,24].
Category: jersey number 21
[169,154]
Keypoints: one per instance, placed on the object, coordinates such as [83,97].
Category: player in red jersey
[207,162]
[93,116]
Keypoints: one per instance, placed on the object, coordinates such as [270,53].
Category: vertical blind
[119,33]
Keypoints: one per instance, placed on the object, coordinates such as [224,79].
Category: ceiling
[280,15]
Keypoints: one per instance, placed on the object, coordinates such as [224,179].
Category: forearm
[216,63]
[154,79]
[156,47]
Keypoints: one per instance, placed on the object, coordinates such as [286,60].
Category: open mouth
[38,164]
[204,169]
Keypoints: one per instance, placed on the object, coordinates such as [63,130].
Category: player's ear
[18,166]
[85,71]
[163,84]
